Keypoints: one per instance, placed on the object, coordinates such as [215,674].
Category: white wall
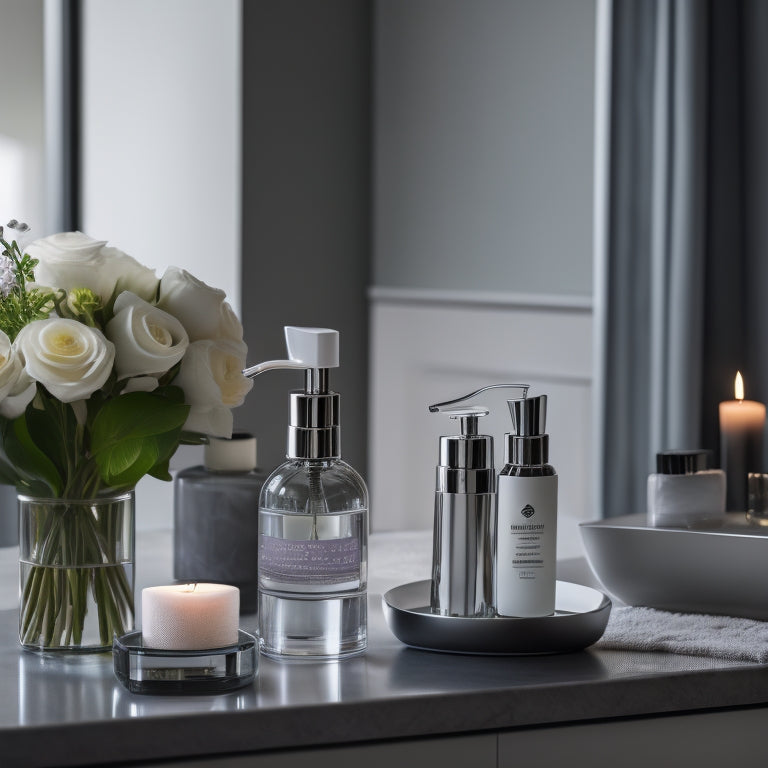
[427,349]
[161,133]
[21,113]
[161,150]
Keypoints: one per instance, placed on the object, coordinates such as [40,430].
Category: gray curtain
[687,259]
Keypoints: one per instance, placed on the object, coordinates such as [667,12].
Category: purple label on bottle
[320,561]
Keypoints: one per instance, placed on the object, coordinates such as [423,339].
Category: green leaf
[137,414]
[161,471]
[8,475]
[170,392]
[127,462]
[7,471]
[166,446]
[32,464]
[52,429]
[136,434]
[193,438]
[122,456]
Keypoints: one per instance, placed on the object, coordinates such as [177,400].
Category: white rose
[16,388]
[72,260]
[211,376]
[129,274]
[141,384]
[230,326]
[215,422]
[202,309]
[147,340]
[68,358]
[20,396]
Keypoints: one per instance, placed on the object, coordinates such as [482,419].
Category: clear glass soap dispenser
[313,521]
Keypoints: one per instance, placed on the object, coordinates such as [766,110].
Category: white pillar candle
[741,444]
[190,617]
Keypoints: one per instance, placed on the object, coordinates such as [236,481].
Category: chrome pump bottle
[465,512]
[465,494]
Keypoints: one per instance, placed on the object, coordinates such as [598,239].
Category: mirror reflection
[450,168]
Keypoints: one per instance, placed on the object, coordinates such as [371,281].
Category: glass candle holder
[757,498]
[173,672]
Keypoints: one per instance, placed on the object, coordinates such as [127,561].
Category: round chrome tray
[581,614]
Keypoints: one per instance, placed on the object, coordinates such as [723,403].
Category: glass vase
[76,572]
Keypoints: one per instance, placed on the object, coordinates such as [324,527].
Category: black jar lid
[681,462]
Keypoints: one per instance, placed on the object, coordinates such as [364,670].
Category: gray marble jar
[216,514]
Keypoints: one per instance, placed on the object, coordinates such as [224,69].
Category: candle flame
[738,386]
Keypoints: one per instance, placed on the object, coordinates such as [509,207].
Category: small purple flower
[7,276]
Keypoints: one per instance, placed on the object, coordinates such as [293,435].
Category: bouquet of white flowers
[104,370]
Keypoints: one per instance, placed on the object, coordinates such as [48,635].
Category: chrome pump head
[527,444]
[313,432]
[466,460]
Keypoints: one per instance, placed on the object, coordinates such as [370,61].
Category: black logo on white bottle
[527,511]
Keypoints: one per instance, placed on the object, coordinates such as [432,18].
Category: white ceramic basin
[717,570]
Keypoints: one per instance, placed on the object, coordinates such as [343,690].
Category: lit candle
[741,444]
[189,617]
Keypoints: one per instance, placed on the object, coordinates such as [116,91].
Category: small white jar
[684,493]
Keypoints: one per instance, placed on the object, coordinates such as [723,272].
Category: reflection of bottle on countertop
[216,514]
[526,539]
[313,521]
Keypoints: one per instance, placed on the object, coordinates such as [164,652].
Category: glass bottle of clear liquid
[313,522]
[313,560]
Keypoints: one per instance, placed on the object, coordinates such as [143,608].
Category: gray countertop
[70,710]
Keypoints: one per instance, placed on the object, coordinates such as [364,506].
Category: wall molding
[425,348]
[485,299]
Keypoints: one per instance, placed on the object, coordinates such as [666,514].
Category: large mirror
[440,154]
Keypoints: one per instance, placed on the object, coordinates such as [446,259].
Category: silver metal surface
[446,406]
[313,432]
[271,365]
[463,537]
[581,614]
[527,445]
[462,561]
[719,570]
[526,451]
[529,415]
[466,451]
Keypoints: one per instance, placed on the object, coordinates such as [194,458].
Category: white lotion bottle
[526,538]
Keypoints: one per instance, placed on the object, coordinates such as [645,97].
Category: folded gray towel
[724,637]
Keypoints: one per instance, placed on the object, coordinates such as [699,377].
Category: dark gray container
[216,514]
